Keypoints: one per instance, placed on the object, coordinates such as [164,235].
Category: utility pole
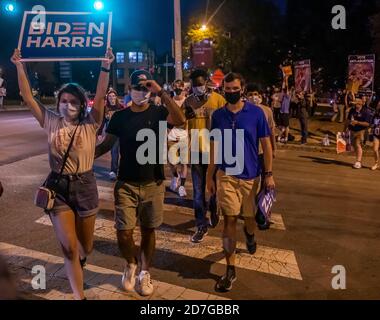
[178,40]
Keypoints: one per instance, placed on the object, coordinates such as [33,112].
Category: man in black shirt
[139,190]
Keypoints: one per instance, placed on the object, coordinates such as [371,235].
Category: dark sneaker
[263,227]
[199,235]
[224,284]
[250,242]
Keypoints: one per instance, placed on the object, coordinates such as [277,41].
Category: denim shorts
[78,193]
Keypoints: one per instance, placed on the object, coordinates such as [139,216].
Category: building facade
[130,56]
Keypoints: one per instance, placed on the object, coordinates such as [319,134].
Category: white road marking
[268,260]
[104,284]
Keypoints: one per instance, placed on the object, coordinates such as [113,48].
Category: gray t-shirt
[81,158]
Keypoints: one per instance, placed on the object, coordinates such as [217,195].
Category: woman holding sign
[69,194]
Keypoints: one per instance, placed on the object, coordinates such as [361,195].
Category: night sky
[149,20]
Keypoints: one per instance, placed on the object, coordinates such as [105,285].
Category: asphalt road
[329,211]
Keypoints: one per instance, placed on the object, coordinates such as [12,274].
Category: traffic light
[98,5]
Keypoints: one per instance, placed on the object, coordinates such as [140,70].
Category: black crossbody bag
[45,196]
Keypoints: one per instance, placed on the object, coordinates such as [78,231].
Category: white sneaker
[357,165]
[145,284]
[375,167]
[128,280]
[112,175]
[182,192]
[174,184]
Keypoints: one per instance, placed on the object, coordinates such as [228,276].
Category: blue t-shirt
[245,130]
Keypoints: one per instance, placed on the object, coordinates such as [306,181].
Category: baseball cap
[139,75]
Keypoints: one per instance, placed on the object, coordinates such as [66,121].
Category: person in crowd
[178,137]
[112,105]
[3,90]
[357,123]
[256,99]
[140,189]
[312,100]
[127,100]
[293,103]
[340,106]
[349,102]
[236,192]
[76,203]
[199,107]
[284,123]
[303,116]
[276,105]
[376,136]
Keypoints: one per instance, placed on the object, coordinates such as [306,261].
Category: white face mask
[257,100]
[69,112]
[140,97]
[200,91]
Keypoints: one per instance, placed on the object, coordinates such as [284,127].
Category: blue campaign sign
[65,36]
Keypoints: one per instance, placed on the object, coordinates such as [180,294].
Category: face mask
[233,97]
[69,112]
[140,97]
[199,91]
[256,100]
[178,92]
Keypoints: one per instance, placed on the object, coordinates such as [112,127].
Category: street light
[204,28]
[10,7]
[99,5]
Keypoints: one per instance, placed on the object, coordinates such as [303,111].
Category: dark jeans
[277,116]
[304,118]
[198,174]
[115,154]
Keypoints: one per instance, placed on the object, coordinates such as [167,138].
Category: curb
[320,149]
[14,109]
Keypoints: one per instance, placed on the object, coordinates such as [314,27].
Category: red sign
[218,77]
[202,54]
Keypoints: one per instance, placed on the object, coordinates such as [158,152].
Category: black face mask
[178,92]
[233,97]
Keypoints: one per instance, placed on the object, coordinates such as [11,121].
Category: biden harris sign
[65,36]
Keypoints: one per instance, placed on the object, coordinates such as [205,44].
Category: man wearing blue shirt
[238,129]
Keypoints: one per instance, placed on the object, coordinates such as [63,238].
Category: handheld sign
[65,36]
[266,200]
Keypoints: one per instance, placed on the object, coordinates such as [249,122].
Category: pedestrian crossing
[100,283]
[104,284]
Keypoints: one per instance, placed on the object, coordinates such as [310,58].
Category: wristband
[105,70]
[268,174]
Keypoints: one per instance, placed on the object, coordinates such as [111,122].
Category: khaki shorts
[144,202]
[178,152]
[235,196]
[358,136]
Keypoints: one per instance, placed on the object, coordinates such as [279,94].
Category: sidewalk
[13,108]
[319,128]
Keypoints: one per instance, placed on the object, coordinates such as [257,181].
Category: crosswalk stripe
[268,260]
[106,194]
[102,283]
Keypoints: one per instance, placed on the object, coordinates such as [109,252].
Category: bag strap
[66,156]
